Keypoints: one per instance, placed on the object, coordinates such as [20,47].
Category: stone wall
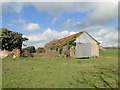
[72,51]
[12,54]
[65,51]
[52,53]
[62,51]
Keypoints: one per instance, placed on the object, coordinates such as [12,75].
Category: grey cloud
[54,20]
[56,8]
[103,14]
[13,6]
[67,24]
[107,36]
[100,13]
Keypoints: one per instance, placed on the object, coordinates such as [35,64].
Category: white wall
[85,38]
[86,46]
[83,50]
[86,50]
[95,50]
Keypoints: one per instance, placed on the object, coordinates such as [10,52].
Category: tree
[40,50]
[11,40]
[30,49]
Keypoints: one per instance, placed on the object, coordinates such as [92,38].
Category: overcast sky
[42,22]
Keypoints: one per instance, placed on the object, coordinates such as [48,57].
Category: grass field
[62,72]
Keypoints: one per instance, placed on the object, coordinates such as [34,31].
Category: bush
[26,53]
[40,50]
[30,49]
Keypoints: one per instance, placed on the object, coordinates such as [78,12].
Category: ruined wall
[52,53]
[72,51]
[12,54]
[64,51]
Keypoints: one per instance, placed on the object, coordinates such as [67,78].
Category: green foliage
[26,53]
[11,40]
[30,49]
[72,43]
[40,50]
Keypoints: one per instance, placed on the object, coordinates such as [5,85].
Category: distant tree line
[32,49]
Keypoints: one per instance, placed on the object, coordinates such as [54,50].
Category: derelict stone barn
[79,45]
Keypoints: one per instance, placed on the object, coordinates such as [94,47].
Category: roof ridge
[65,40]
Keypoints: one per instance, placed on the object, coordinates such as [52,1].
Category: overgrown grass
[62,72]
[109,52]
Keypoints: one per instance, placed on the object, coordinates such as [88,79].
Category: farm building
[79,45]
